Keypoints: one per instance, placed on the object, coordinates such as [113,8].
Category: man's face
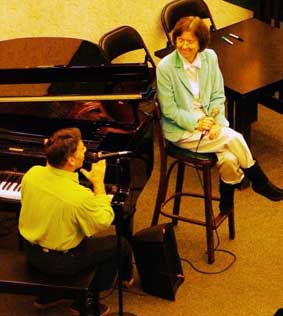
[79,155]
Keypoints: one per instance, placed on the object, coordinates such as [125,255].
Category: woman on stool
[190,90]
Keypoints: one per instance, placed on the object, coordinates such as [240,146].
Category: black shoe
[269,191]
[103,309]
[226,191]
[225,208]
[278,189]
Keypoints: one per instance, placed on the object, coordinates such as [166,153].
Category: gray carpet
[252,286]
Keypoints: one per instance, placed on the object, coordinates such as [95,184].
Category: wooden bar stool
[203,163]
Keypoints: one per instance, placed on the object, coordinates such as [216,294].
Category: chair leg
[178,189]
[209,217]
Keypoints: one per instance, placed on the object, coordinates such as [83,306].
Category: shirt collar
[195,64]
[64,173]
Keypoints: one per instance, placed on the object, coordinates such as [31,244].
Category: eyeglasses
[182,41]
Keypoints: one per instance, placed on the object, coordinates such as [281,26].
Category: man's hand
[96,176]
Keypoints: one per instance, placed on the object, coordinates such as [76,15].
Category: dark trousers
[97,252]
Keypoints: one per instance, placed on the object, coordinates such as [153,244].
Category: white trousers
[230,147]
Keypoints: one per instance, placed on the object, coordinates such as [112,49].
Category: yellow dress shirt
[57,212]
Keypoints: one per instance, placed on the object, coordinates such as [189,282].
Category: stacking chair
[203,163]
[118,42]
[122,40]
[177,9]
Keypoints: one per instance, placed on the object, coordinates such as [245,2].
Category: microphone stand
[119,230]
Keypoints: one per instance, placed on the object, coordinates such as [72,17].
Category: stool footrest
[217,220]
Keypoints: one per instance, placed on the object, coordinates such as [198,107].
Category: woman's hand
[96,176]
[214,131]
[205,123]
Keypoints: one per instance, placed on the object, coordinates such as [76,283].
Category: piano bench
[17,277]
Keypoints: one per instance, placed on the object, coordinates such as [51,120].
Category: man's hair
[195,25]
[61,145]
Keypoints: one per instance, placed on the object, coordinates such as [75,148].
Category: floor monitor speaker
[158,262]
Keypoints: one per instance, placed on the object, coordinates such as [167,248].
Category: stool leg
[162,190]
[209,217]
[178,189]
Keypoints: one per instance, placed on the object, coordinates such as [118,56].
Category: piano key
[10,194]
[18,187]
[11,182]
[13,186]
[6,183]
[2,184]
[16,196]
[10,185]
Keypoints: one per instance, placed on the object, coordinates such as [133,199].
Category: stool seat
[185,154]
[203,163]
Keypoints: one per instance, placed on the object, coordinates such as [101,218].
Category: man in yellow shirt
[58,215]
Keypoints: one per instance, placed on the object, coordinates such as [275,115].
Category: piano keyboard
[10,185]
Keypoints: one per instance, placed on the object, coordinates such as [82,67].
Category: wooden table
[251,68]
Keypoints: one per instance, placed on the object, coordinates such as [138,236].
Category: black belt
[44,249]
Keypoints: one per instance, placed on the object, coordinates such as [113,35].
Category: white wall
[89,19]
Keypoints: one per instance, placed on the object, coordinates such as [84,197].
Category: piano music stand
[119,230]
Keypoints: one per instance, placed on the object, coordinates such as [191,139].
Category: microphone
[104,155]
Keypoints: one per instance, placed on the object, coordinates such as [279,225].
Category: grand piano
[50,83]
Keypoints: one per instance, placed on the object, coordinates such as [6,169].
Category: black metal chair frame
[184,158]
[122,40]
[177,9]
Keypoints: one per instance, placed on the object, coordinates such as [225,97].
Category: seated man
[59,218]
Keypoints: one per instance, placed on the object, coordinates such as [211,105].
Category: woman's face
[188,45]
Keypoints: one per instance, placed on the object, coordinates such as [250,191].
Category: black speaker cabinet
[158,262]
[279,312]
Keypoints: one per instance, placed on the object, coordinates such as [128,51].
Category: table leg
[245,114]
[230,111]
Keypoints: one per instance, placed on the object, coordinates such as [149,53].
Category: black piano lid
[91,73]
[34,129]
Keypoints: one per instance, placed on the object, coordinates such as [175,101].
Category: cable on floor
[234,258]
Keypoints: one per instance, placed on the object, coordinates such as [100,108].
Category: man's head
[65,149]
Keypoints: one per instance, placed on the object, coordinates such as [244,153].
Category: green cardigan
[175,96]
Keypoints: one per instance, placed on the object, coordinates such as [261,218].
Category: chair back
[177,9]
[122,40]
